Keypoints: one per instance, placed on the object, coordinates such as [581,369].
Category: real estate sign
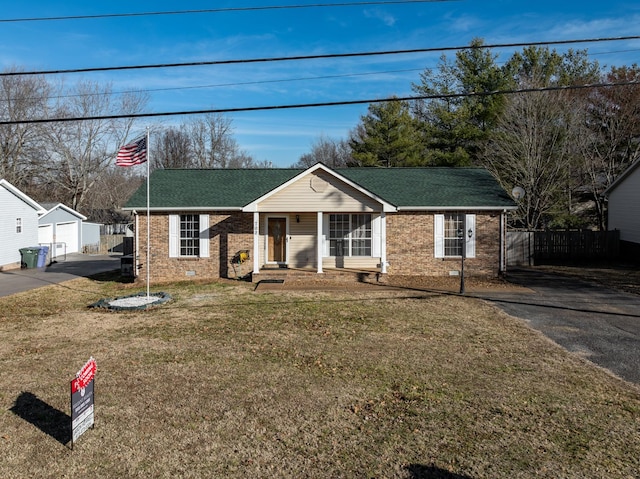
[82,400]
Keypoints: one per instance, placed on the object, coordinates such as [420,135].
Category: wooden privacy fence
[537,247]
[116,244]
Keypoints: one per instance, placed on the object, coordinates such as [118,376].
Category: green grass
[227,382]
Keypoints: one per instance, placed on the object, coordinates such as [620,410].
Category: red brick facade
[410,247]
[228,233]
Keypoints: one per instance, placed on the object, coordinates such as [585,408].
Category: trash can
[126,266]
[29,257]
[42,257]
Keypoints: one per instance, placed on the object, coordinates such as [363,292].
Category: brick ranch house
[320,221]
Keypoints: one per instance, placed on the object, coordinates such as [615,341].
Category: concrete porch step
[269,274]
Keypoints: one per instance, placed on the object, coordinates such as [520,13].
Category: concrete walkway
[72,266]
[597,323]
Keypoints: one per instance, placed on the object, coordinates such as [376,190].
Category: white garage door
[45,234]
[67,233]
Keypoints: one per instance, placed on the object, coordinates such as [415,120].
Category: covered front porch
[319,222]
[325,245]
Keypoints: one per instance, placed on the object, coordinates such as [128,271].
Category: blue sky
[282,136]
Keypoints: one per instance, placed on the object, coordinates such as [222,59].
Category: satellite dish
[517,193]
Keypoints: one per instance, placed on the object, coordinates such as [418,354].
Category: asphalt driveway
[597,323]
[71,266]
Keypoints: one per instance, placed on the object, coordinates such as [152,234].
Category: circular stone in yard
[132,302]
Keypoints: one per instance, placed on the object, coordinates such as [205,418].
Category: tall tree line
[520,120]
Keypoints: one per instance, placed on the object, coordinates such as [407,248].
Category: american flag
[134,153]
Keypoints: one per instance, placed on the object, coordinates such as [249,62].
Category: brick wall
[228,233]
[410,246]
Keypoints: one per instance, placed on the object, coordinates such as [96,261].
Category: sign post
[82,400]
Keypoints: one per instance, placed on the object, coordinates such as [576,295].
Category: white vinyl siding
[624,207]
[445,235]
[319,192]
[12,207]
[302,245]
[184,240]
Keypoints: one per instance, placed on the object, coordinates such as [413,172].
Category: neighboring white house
[624,209]
[60,228]
[18,224]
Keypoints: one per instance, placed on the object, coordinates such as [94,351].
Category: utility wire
[232,84]
[324,56]
[218,10]
[324,104]
[279,80]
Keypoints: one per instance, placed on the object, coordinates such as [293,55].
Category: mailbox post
[462,237]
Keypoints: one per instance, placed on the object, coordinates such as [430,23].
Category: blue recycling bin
[42,256]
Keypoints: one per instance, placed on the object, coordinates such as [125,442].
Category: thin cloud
[385,17]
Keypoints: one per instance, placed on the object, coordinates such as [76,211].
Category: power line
[218,10]
[232,84]
[324,104]
[323,56]
[279,80]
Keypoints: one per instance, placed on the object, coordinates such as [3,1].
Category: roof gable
[20,195]
[313,172]
[51,207]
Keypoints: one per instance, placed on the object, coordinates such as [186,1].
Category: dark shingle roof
[402,187]
[432,187]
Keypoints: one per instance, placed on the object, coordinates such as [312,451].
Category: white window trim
[438,229]
[376,235]
[174,237]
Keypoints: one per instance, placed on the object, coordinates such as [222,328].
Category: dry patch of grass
[226,382]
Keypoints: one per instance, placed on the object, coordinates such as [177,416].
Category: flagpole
[148,213]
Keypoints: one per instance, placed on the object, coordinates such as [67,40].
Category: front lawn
[227,382]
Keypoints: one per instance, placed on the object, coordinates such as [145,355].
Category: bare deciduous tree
[21,98]
[172,148]
[79,151]
[532,149]
[331,152]
[213,143]
[609,139]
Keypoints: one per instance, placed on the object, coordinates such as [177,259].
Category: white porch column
[319,249]
[256,242]
[383,242]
